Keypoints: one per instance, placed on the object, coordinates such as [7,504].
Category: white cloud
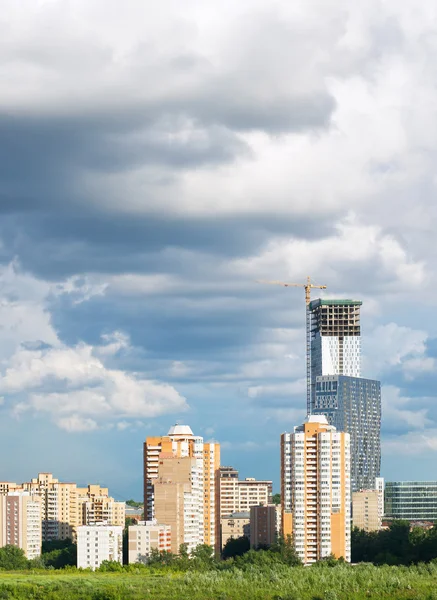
[392,345]
[74,381]
[75,423]
[411,443]
[398,409]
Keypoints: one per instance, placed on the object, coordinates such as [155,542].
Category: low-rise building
[411,500]
[234,526]
[365,510]
[145,537]
[20,522]
[97,543]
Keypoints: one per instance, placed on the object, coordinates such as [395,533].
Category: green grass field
[341,582]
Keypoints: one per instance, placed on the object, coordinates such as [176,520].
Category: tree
[236,547]
[59,553]
[276,498]
[286,550]
[134,504]
[13,558]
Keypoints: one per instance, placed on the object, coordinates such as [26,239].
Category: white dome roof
[317,419]
[180,431]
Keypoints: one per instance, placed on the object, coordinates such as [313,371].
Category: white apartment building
[320,490]
[20,522]
[145,537]
[97,543]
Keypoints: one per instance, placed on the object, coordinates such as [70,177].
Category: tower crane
[308,286]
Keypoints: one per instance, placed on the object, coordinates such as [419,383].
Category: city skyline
[135,220]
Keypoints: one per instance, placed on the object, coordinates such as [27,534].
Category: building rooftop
[180,430]
[317,419]
[334,302]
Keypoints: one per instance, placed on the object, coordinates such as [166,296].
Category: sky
[156,160]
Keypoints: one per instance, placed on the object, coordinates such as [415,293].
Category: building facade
[238,495]
[335,340]
[286,519]
[353,405]
[320,490]
[411,500]
[64,506]
[366,511]
[203,498]
[263,525]
[20,522]
[145,537]
[234,526]
[96,543]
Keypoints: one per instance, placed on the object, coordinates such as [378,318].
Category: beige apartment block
[20,522]
[64,506]
[96,506]
[204,498]
[234,526]
[365,510]
[178,502]
[320,490]
[145,537]
[239,495]
[263,525]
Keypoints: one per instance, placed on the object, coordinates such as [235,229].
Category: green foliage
[236,547]
[276,498]
[134,504]
[12,558]
[285,548]
[395,546]
[59,554]
[254,576]
[110,566]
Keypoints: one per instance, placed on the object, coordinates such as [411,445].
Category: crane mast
[308,286]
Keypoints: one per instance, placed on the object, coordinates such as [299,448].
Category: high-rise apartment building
[145,537]
[335,340]
[163,483]
[238,495]
[59,506]
[365,510]
[319,479]
[97,543]
[353,404]
[96,506]
[178,492]
[411,500]
[263,525]
[64,506]
[20,522]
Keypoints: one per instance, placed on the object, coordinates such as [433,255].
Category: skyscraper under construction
[337,390]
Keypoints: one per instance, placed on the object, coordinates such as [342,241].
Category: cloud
[76,423]
[75,382]
[412,443]
[397,409]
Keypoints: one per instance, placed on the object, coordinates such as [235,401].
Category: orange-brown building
[195,514]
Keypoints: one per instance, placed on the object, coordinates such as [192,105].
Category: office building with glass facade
[411,500]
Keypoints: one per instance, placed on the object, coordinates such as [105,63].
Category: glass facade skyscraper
[353,405]
[337,390]
[335,340]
